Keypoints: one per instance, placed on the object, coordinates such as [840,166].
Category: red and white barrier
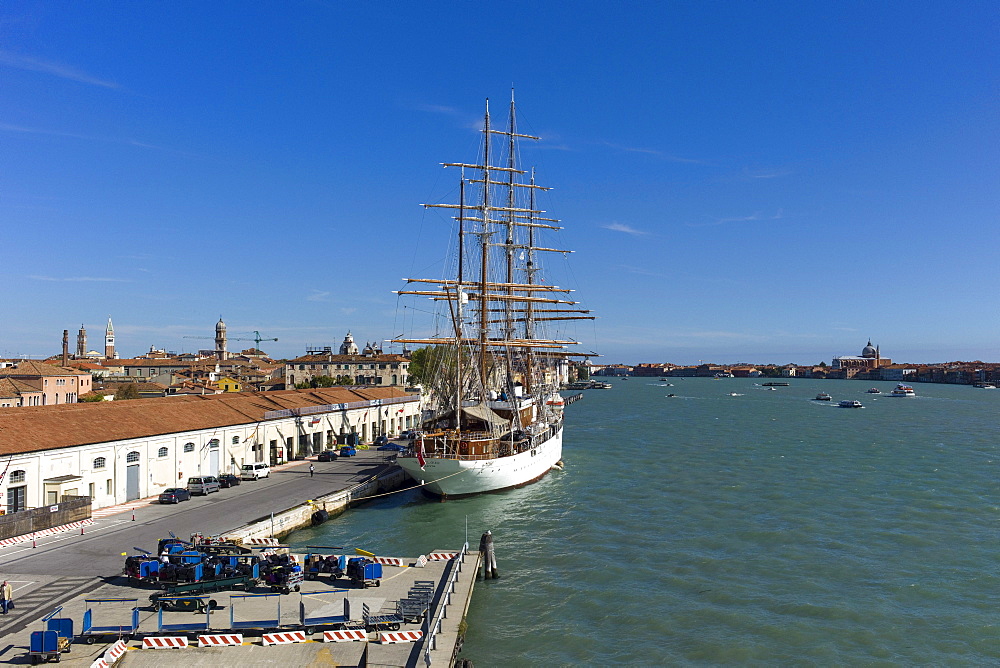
[284,638]
[100,663]
[164,642]
[347,635]
[221,640]
[393,637]
[115,652]
[387,561]
[261,541]
[442,556]
[46,532]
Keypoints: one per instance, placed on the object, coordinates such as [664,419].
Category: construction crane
[256,338]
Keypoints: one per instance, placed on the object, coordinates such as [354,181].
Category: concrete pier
[454,580]
[61,572]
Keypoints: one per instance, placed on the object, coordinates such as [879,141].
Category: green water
[707,529]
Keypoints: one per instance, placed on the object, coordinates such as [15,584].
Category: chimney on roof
[65,357]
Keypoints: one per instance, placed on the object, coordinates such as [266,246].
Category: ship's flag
[420,455]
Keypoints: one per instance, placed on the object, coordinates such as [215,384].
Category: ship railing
[433,627]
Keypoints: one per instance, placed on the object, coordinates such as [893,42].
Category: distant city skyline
[764,182]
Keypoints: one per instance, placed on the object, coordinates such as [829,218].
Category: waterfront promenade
[64,569]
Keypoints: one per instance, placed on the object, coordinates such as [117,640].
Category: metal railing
[432,628]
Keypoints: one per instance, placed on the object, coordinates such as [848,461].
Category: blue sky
[742,181]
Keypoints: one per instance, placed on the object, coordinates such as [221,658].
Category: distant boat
[823,396]
[776,384]
[902,390]
[985,386]
[850,403]
[874,390]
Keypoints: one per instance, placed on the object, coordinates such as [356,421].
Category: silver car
[203,485]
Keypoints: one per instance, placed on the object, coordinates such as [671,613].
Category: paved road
[68,564]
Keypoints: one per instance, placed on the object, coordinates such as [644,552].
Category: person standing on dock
[6,593]
[311,470]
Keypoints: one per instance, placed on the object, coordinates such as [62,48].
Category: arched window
[189,447]
[100,463]
[132,457]
[162,452]
[17,476]
[236,440]
[214,443]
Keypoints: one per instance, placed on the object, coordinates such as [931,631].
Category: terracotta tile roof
[347,359]
[33,428]
[33,368]
[12,387]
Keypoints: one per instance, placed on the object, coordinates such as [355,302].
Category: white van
[255,471]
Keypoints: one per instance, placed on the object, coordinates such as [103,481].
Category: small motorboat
[902,390]
[823,396]
[850,403]
[874,390]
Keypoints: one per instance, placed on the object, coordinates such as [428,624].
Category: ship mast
[484,238]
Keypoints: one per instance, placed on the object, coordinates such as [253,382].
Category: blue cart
[256,624]
[196,603]
[321,616]
[91,631]
[54,640]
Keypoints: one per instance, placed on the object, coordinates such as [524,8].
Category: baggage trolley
[56,639]
[91,631]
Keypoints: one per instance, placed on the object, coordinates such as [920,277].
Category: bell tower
[81,343]
[109,341]
[220,340]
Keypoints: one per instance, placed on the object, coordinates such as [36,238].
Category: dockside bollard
[489,558]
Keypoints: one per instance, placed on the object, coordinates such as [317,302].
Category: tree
[822,364]
[127,391]
[582,372]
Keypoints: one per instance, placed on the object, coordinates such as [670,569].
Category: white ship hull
[457,477]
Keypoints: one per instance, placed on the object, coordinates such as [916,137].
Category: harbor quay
[74,570]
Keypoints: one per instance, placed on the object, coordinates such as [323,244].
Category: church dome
[869,351]
[220,326]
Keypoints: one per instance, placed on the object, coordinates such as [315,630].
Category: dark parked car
[228,480]
[174,495]
[327,456]
[381,440]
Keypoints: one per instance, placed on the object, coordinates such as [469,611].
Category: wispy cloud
[78,279]
[437,109]
[766,173]
[652,151]
[8,127]
[752,218]
[38,131]
[53,68]
[620,227]
[317,296]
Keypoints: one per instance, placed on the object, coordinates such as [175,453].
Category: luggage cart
[321,616]
[90,631]
[56,639]
[173,596]
[364,572]
[196,603]
[256,624]
[389,622]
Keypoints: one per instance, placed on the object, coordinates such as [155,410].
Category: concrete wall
[300,516]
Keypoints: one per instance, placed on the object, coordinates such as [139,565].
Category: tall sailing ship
[491,374]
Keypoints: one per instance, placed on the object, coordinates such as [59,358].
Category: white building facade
[125,469]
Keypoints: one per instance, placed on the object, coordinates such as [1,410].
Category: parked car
[229,480]
[348,451]
[381,440]
[255,471]
[327,456]
[203,485]
[174,495]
